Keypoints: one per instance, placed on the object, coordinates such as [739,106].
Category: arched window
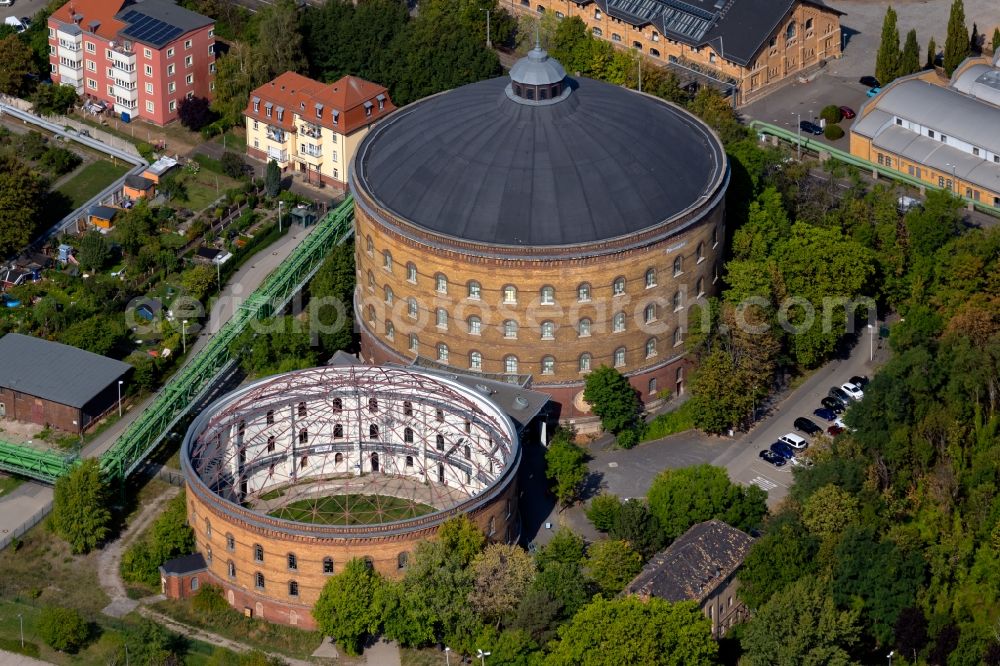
[270,417]
[370,245]
[440,473]
[338,431]
[475,325]
[510,294]
[439,442]
[649,314]
[369,562]
[270,444]
[371,313]
[389,296]
[699,252]
[372,405]
[258,553]
[411,272]
[337,405]
[409,461]
[208,529]
[208,554]
[583,292]
[467,451]
[790,30]
[583,327]
[230,542]
[408,435]
[293,588]
[618,323]
[700,286]
[327,565]
[303,436]
[441,283]
[475,361]
[650,347]
[402,560]
[475,290]
[390,331]
[585,362]
[414,343]
[548,295]
[231,568]
[548,330]
[338,458]
[293,562]
[678,301]
[650,277]
[387,260]
[678,336]
[442,352]
[510,365]
[678,265]
[510,329]
[598,32]
[548,365]
[618,286]
[654,52]
[407,408]
[373,431]
[442,318]
[619,357]
[371,281]
[304,462]
[809,24]
[303,411]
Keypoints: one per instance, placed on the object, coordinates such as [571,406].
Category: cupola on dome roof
[538,79]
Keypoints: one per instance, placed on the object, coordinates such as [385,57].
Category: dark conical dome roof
[537,69]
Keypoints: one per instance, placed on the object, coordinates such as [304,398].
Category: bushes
[170,536]
[146,150]
[209,602]
[233,165]
[670,423]
[833,132]
[831,114]
[62,629]
[59,160]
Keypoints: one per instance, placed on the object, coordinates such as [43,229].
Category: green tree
[932,225]
[612,564]
[233,165]
[828,511]
[567,584]
[813,632]
[566,467]
[565,547]
[975,40]
[198,281]
[331,294]
[99,335]
[956,45]
[604,510]
[79,507]
[237,73]
[279,38]
[680,498]
[909,62]
[637,526]
[629,631]
[346,609]
[173,186]
[22,194]
[94,251]
[281,345]
[462,538]
[613,399]
[501,575]
[272,179]
[995,42]
[62,629]
[54,99]
[931,54]
[887,58]
[784,554]
[17,62]
[719,399]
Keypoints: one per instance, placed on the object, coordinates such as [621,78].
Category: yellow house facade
[310,128]
[754,45]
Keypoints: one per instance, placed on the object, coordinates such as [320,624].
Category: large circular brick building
[538,226]
[290,477]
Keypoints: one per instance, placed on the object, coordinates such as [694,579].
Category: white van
[14,22]
[6,3]
[793,440]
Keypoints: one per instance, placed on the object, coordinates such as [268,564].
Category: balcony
[310,130]
[67,45]
[124,85]
[128,68]
[277,154]
[128,93]
[275,134]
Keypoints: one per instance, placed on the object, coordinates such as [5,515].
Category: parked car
[793,440]
[772,457]
[832,404]
[840,394]
[807,426]
[783,450]
[860,381]
[801,462]
[834,430]
[874,91]
[15,23]
[810,128]
[855,392]
[839,422]
[905,204]
[869,81]
[847,112]
[6,3]
[825,414]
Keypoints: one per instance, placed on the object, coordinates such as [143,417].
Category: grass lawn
[670,423]
[92,179]
[201,189]
[9,483]
[352,510]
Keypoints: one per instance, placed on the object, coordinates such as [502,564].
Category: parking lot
[23,8]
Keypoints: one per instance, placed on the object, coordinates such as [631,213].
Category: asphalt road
[23,8]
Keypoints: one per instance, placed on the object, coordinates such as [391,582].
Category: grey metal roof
[138,182]
[54,371]
[537,69]
[694,565]
[981,82]
[159,22]
[103,212]
[939,156]
[604,163]
[185,564]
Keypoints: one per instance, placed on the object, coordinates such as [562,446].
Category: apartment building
[310,127]
[942,135]
[753,45]
[140,57]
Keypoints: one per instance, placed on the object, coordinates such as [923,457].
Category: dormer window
[256,104]
[368,109]
[381,101]
[267,109]
[319,110]
[281,113]
[336,117]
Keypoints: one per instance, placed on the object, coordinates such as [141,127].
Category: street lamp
[954,179]
[871,342]
[120,382]
[482,656]
[20,619]
[184,341]
[447,655]
[280,204]
[891,652]
[489,43]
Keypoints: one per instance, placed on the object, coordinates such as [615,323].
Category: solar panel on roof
[148,29]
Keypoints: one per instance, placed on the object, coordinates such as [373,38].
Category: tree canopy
[346,609]
[79,507]
[612,398]
[565,467]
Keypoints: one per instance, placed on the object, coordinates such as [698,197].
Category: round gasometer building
[291,476]
[538,226]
